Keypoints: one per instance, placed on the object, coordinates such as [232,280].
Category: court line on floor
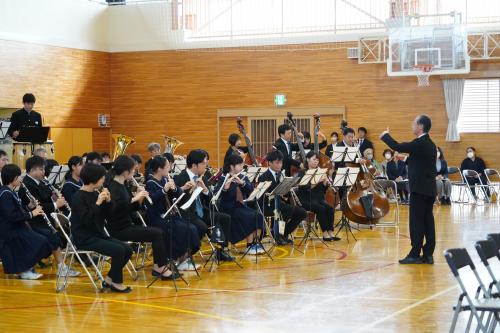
[131,302]
[407,308]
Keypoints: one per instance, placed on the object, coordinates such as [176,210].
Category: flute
[33,201]
[137,184]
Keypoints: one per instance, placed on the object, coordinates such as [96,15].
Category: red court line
[209,292]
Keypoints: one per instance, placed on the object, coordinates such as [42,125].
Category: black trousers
[202,224]
[154,235]
[474,181]
[422,225]
[324,213]
[292,215]
[119,252]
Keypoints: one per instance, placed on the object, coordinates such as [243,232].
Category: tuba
[171,144]
[121,143]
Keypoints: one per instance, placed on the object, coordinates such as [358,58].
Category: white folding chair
[493,178]
[71,251]
[385,185]
[468,174]
[457,180]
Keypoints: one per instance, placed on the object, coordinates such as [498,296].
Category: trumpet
[34,202]
[58,194]
[137,185]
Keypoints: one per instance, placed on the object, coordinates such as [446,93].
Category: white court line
[409,307]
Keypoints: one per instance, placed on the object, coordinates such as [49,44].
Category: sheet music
[4,126]
[309,175]
[352,175]
[350,155]
[194,195]
[58,174]
[259,191]
[319,174]
[254,172]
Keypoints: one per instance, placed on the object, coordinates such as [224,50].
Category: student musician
[199,213]
[309,144]
[138,164]
[20,246]
[292,215]
[334,139]
[88,218]
[121,221]
[286,148]
[73,181]
[312,198]
[94,158]
[25,117]
[33,185]
[4,160]
[247,223]
[163,192]
[235,147]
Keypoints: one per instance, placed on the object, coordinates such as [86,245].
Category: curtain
[453,94]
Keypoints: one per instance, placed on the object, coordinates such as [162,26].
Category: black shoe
[442,201]
[280,240]
[410,260]
[328,239]
[335,238]
[448,201]
[106,285]
[172,276]
[224,256]
[288,240]
[427,260]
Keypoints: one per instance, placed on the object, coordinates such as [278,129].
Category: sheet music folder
[33,134]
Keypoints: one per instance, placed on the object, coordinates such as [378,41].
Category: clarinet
[57,193]
[33,201]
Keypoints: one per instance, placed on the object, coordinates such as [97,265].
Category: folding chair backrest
[61,222]
[495,238]
[457,259]
[470,173]
[385,183]
[491,172]
[487,249]
[454,174]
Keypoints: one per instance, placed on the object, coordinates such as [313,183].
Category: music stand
[311,178]
[253,173]
[282,189]
[256,195]
[4,127]
[185,206]
[33,134]
[344,154]
[178,166]
[58,175]
[345,177]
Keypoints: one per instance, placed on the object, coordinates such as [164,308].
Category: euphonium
[121,144]
[171,144]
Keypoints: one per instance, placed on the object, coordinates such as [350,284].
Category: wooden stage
[355,287]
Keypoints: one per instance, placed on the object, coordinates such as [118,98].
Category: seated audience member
[443,184]
[368,155]
[473,162]
[397,171]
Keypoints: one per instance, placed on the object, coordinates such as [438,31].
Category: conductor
[24,117]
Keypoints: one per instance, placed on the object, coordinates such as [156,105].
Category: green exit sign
[279,100]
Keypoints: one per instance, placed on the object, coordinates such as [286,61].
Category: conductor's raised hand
[384,132]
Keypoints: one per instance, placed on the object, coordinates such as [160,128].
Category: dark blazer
[444,169]
[182,179]
[421,163]
[365,145]
[44,196]
[288,161]
[321,145]
[265,177]
[395,170]
[329,149]
[21,118]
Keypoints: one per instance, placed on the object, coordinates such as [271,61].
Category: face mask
[470,154]
[369,156]
[438,154]
[388,156]
[335,139]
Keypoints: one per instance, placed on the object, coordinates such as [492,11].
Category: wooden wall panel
[101,139]
[71,86]
[178,93]
[71,141]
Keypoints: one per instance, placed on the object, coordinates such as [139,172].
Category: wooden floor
[350,287]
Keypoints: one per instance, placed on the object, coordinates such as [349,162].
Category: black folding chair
[458,259]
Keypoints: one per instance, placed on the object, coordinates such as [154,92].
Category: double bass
[302,152]
[332,197]
[365,203]
[250,159]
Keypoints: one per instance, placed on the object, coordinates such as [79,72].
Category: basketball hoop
[424,75]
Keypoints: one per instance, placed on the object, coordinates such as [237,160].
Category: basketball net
[424,75]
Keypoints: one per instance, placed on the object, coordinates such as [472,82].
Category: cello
[250,159]
[365,203]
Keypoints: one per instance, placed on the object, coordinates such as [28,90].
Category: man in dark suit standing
[364,143]
[284,145]
[422,175]
[24,117]
[292,215]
